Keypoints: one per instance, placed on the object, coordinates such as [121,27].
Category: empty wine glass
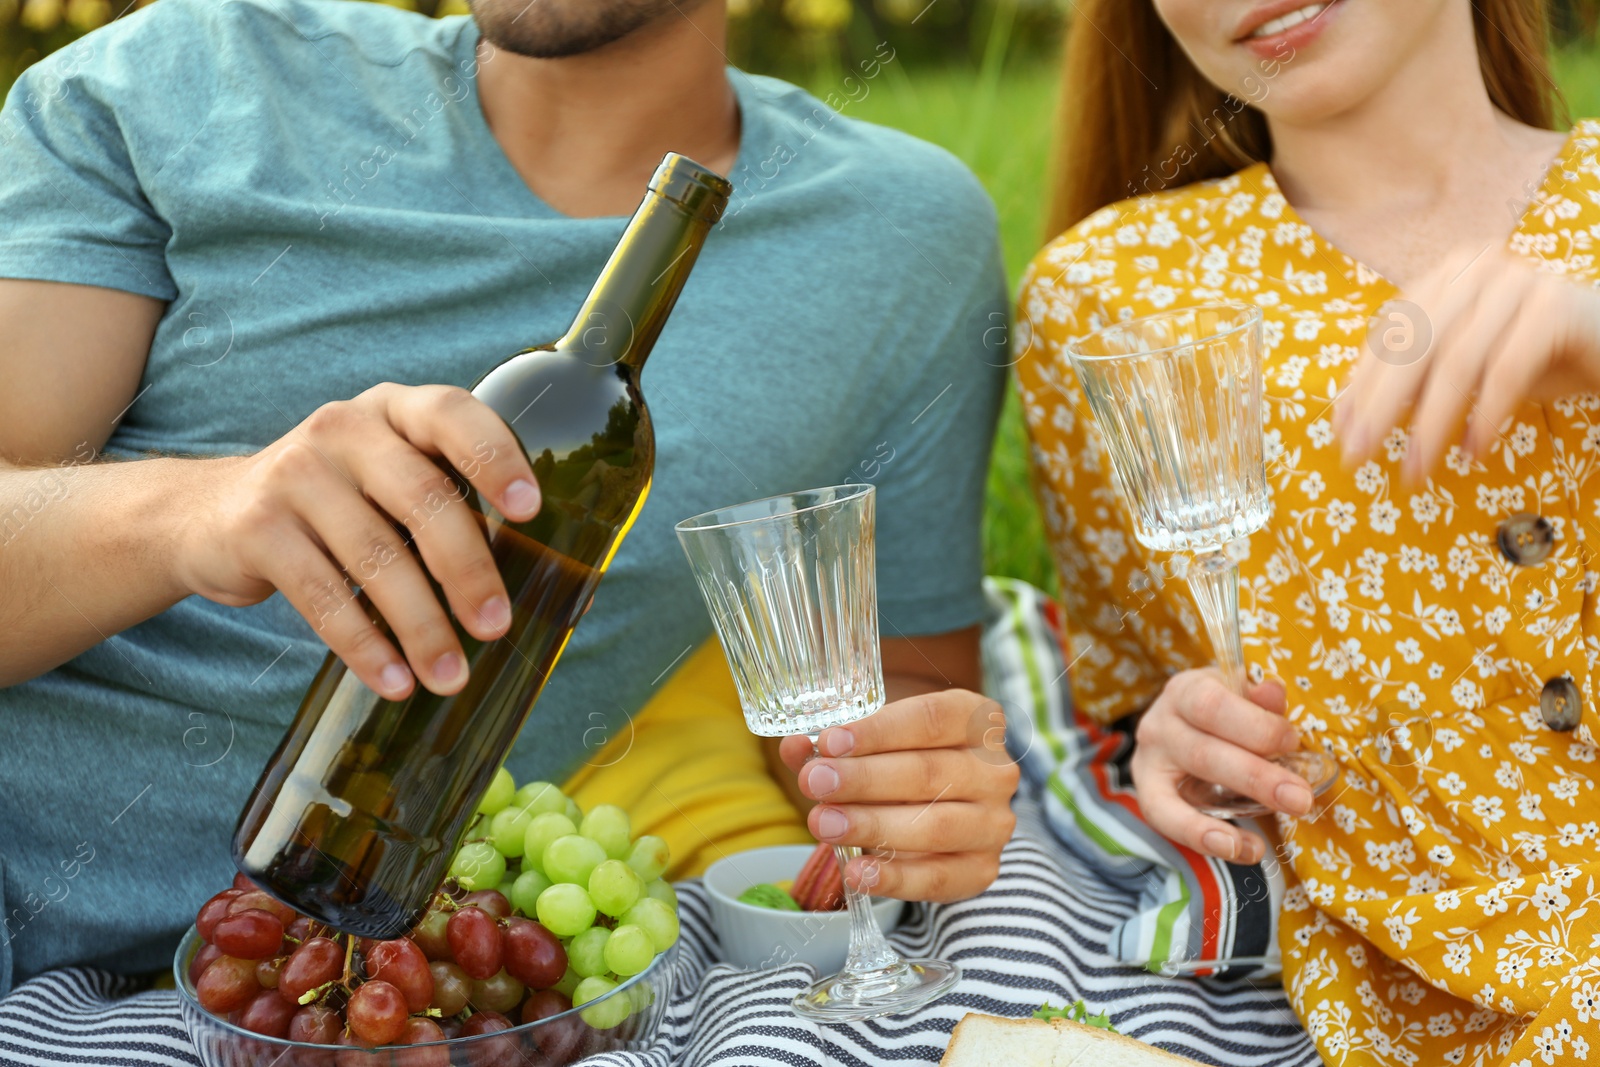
[791,585]
[1178,396]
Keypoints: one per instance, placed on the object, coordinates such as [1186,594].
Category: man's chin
[556,29]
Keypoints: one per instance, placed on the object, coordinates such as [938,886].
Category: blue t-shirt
[312,188]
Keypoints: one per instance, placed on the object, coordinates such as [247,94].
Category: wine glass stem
[870,951]
[1214,581]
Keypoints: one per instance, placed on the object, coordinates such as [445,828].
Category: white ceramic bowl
[755,937]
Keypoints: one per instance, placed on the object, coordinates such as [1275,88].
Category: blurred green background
[975,76]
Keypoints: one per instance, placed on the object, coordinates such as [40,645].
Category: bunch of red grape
[475,964]
[470,967]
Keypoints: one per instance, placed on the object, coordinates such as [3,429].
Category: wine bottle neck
[629,304]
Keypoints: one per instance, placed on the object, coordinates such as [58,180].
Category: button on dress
[1438,639]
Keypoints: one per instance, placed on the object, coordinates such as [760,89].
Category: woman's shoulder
[1153,226]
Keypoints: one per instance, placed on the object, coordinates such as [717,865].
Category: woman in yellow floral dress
[1423,603]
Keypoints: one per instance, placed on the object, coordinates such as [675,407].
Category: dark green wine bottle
[356,817]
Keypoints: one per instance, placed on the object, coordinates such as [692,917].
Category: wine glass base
[1209,798]
[907,986]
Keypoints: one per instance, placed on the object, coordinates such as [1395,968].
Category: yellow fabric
[689,771]
[1443,906]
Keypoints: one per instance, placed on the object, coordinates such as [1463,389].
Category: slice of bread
[990,1041]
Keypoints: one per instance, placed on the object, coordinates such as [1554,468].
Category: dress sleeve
[1123,639]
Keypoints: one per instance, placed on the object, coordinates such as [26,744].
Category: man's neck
[586,131]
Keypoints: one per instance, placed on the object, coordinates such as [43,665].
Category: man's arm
[80,544]
[88,549]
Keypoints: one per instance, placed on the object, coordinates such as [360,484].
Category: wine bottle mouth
[697,189]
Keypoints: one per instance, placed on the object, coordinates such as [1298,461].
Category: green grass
[999,123]
[1577,71]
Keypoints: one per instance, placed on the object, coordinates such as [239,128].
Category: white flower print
[1548,899]
[1341,516]
[1288,376]
[1488,809]
[1425,509]
[1398,927]
[1461,563]
[1528,807]
[1586,1001]
[1271,447]
[1466,693]
[1163,234]
[1395,444]
[1511,967]
[1277,571]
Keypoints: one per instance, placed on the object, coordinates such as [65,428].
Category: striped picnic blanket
[1039,934]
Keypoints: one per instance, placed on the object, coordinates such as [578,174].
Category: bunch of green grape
[584,877]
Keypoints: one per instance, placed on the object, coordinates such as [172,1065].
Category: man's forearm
[86,550]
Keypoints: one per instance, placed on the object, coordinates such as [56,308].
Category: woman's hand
[316,512]
[1200,727]
[926,782]
[1502,332]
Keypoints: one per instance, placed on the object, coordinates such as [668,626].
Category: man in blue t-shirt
[251,250]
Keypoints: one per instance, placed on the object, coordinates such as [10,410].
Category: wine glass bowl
[789,585]
[790,582]
[1178,398]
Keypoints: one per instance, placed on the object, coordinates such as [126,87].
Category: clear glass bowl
[553,1042]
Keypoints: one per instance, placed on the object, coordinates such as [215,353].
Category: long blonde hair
[1131,102]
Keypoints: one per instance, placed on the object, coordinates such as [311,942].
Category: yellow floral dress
[1439,640]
